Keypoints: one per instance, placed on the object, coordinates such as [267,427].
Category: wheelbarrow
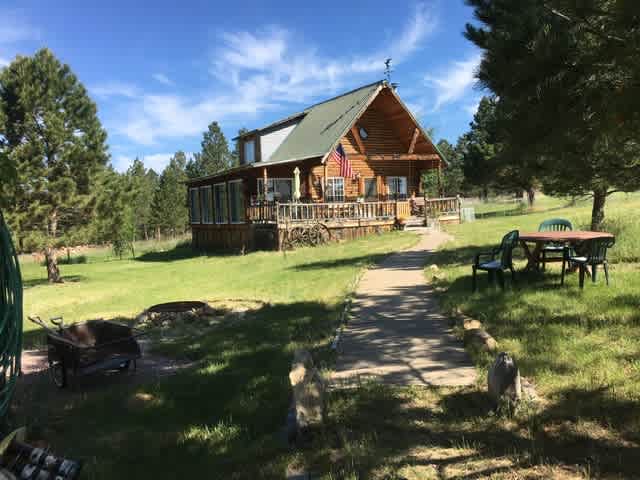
[89,347]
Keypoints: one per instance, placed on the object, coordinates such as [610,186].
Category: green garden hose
[10,317]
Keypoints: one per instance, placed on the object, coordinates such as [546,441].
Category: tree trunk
[51,260]
[531,196]
[597,212]
[53,272]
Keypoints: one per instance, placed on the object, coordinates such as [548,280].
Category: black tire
[58,373]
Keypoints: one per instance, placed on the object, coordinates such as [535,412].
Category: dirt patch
[150,367]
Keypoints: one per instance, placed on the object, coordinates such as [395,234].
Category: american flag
[341,159]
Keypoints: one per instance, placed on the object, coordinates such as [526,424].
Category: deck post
[324,182]
[264,184]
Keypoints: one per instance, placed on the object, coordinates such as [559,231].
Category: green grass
[224,418]
[580,348]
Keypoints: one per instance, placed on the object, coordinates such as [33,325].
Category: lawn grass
[223,418]
[581,349]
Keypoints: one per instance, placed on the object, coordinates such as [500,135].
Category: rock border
[476,335]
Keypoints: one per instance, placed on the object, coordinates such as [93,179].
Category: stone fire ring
[177,307]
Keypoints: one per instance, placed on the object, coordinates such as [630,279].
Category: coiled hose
[10,318]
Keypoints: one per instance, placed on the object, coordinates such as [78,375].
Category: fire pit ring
[177,307]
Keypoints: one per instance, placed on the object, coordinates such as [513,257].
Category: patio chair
[555,225]
[497,260]
[594,253]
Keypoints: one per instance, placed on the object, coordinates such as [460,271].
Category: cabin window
[278,189]
[249,151]
[194,205]
[220,202]
[397,187]
[363,133]
[335,189]
[206,205]
[371,188]
[236,202]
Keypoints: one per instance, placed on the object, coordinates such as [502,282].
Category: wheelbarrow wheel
[58,373]
[124,366]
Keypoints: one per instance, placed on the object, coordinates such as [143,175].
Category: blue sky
[161,71]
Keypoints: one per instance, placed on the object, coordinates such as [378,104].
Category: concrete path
[396,334]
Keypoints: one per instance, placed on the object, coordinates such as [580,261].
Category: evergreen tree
[214,156]
[115,212]
[142,185]
[452,174]
[235,154]
[479,147]
[169,210]
[52,136]
[566,74]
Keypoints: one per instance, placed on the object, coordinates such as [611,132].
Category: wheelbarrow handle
[57,321]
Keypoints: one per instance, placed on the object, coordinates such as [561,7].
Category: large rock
[308,393]
[503,380]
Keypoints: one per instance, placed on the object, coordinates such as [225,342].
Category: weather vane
[387,69]
[387,73]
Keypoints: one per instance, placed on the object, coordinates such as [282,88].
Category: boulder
[308,392]
[503,381]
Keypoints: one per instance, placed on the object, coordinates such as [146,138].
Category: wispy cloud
[3,62]
[260,70]
[454,82]
[472,107]
[14,28]
[163,79]
[115,89]
[157,161]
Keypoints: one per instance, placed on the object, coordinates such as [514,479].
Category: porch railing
[338,212]
[437,207]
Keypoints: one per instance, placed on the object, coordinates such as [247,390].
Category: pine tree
[115,212]
[452,174]
[235,154]
[169,210]
[214,156]
[142,184]
[566,74]
[53,138]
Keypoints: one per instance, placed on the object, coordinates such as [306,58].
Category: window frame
[273,181]
[252,142]
[241,212]
[217,209]
[403,181]
[374,181]
[333,181]
[192,221]
[208,199]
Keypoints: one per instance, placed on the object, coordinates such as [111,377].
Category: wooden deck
[328,213]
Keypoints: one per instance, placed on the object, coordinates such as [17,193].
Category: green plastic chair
[497,260]
[594,254]
[554,225]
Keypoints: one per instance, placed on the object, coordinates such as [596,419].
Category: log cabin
[289,175]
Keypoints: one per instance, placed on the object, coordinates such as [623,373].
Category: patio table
[539,239]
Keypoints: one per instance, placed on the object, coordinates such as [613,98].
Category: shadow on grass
[374,429]
[180,253]
[35,282]
[223,417]
[341,262]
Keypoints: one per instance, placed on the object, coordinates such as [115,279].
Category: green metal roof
[322,125]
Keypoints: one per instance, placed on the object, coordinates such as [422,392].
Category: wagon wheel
[319,234]
[58,373]
[292,238]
